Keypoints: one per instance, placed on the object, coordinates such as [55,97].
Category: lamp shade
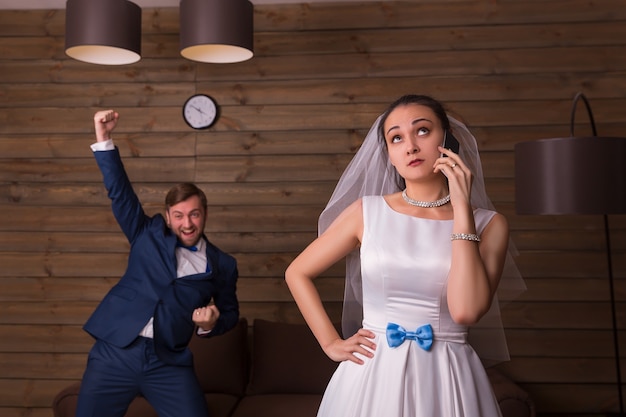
[103,32]
[573,175]
[216,31]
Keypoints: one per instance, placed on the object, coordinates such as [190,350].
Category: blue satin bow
[423,336]
[191,248]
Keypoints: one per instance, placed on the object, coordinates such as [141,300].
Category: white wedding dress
[405,262]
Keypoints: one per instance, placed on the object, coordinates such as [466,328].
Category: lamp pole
[614,316]
[607,236]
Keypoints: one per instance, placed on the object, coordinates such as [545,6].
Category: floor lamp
[575,175]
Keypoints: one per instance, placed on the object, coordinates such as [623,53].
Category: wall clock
[200,111]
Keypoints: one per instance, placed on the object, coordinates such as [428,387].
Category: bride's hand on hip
[361,342]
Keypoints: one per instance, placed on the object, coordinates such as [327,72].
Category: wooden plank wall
[291,119]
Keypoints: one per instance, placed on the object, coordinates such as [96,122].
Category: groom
[176,282]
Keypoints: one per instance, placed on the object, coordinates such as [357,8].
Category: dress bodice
[405,262]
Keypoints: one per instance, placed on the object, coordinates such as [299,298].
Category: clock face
[200,111]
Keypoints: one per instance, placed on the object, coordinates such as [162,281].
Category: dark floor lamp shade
[573,175]
[106,32]
[576,175]
[216,31]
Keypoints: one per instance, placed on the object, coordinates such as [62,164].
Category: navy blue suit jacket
[149,287]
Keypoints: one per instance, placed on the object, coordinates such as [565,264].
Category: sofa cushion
[221,362]
[219,405]
[287,359]
[279,405]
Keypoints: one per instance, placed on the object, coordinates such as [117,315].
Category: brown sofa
[278,370]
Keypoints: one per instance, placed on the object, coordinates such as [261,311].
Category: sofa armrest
[64,403]
[513,400]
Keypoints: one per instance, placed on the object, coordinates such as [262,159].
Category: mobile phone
[450,142]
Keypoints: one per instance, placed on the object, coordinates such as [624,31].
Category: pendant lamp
[106,32]
[576,175]
[216,31]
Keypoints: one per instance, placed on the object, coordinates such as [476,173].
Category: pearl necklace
[426,204]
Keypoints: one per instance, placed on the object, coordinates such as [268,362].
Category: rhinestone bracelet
[465,236]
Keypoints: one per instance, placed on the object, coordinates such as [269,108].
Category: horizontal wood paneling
[291,119]
[523,61]
[322,91]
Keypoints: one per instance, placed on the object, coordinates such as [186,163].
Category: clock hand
[198,109]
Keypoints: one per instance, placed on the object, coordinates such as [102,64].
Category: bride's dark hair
[422,100]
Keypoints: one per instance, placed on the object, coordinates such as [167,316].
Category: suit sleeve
[126,207]
[225,297]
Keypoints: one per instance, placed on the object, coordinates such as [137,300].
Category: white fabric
[405,262]
[190,262]
[187,263]
[106,145]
